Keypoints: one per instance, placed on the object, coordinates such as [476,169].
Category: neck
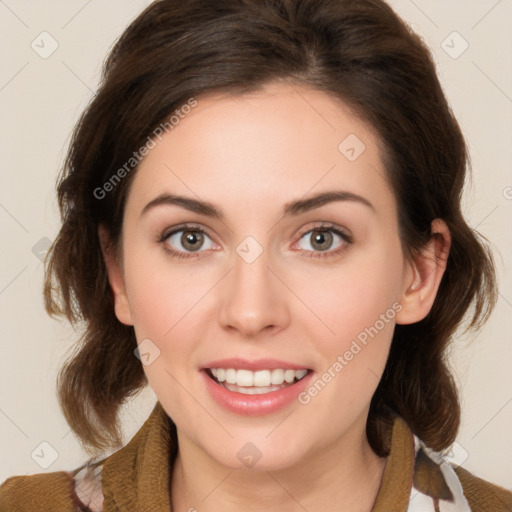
[344,475]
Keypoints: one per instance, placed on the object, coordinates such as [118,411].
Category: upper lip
[255,364]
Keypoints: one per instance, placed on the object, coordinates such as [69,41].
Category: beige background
[41,99]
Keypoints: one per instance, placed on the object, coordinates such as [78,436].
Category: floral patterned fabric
[87,487]
[436,487]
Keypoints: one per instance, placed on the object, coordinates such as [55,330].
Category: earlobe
[115,277]
[422,275]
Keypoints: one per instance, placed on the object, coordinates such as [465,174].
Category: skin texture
[250,155]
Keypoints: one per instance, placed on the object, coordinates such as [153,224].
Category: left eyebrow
[310,203]
[292,208]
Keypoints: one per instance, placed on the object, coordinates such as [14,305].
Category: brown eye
[185,241]
[321,240]
[324,239]
[191,240]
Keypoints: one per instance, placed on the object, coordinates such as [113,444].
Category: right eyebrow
[193,205]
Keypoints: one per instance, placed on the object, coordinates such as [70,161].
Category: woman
[261,220]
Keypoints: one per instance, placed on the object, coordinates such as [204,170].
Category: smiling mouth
[255,383]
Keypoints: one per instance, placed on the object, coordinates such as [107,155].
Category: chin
[255,453]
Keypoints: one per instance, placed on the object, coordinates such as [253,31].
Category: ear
[115,277]
[423,274]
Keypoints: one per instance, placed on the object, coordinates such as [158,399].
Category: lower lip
[255,405]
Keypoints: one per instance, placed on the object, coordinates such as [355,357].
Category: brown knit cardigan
[137,478]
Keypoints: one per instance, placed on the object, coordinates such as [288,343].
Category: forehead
[263,148]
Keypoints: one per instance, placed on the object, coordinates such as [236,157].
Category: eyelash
[313,254]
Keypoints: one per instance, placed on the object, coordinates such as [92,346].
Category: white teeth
[259,379]
[251,390]
[277,376]
[289,375]
[244,378]
[231,376]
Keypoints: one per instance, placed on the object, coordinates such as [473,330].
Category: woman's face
[271,282]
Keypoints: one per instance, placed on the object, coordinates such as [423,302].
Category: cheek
[169,308]
[162,295]
[357,305]
[165,300]
[357,296]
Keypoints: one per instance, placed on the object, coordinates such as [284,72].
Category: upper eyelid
[186,227]
[325,226]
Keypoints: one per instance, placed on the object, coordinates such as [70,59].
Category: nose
[253,298]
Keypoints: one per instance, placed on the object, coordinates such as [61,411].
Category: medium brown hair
[357,51]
